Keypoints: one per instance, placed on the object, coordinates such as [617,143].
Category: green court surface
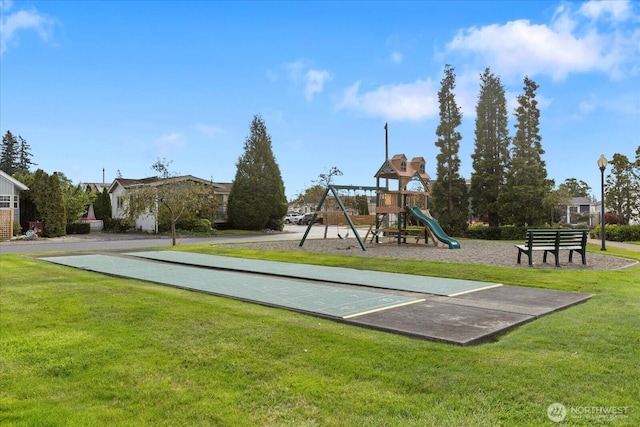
[455,311]
[334,301]
[375,279]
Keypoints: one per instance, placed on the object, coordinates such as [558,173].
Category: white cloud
[410,101]
[314,82]
[209,130]
[615,10]
[165,143]
[568,44]
[22,20]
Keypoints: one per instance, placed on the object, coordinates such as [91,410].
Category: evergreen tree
[576,188]
[24,156]
[9,155]
[102,205]
[522,198]
[257,198]
[491,154]
[46,194]
[621,189]
[449,193]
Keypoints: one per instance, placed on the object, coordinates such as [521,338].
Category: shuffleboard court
[326,300]
[394,281]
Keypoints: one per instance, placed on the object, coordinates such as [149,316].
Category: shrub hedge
[79,228]
[505,232]
[618,233]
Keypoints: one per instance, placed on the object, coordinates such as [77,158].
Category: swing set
[334,190]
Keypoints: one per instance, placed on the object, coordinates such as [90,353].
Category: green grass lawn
[80,348]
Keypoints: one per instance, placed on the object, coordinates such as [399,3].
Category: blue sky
[119,84]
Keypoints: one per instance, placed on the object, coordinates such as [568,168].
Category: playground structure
[401,204]
[394,206]
[334,190]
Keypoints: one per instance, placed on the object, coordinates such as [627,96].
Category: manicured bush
[79,228]
[509,232]
[483,232]
[513,232]
[116,225]
[201,225]
[618,233]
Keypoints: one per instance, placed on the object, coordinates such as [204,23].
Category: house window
[15,202]
[5,201]
[120,202]
[422,169]
[403,166]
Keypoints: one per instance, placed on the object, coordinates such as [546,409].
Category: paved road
[109,241]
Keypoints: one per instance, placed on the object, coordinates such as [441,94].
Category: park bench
[553,241]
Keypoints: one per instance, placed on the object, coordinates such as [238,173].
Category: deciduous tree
[178,196]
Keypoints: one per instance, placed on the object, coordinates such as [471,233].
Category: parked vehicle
[292,218]
[306,219]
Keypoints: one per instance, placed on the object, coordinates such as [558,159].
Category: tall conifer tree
[491,154]
[449,193]
[522,199]
[257,199]
[24,162]
[9,155]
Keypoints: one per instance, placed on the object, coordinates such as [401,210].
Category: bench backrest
[556,237]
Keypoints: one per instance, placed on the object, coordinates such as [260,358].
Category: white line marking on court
[383,308]
[474,290]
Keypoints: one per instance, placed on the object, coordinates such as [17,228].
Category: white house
[581,210]
[9,204]
[147,221]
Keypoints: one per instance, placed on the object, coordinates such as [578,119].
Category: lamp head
[602,162]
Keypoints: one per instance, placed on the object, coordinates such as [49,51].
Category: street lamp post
[602,164]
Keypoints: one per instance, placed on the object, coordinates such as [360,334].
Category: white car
[292,218]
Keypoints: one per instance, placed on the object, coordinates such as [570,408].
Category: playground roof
[404,171]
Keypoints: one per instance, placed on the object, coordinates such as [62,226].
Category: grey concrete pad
[518,299]
[442,321]
[474,317]
[375,279]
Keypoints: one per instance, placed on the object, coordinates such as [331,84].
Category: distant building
[9,204]
[148,221]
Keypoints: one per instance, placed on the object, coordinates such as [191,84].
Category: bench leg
[571,255]
[583,252]
[555,254]
[520,251]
